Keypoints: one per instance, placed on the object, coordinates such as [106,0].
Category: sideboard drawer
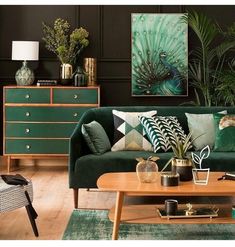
[36,146]
[27,95]
[75,96]
[41,130]
[44,113]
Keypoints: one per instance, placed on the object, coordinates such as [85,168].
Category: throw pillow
[162,131]
[96,137]
[129,134]
[202,125]
[224,132]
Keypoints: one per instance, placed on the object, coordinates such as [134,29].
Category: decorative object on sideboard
[147,169]
[201,175]
[80,77]
[66,73]
[25,51]
[90,67]
[162,69]
[46,82]
[67,47]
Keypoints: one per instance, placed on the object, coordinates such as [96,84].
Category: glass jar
[147,171]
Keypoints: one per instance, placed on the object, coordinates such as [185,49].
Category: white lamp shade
[25,50]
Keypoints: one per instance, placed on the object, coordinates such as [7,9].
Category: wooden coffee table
[127,184]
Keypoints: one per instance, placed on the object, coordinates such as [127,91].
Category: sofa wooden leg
[75,197]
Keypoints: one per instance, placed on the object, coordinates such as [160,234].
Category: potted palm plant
[182,162]
[208,60]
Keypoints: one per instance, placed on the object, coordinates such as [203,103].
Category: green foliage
[181,147]
[226,89]
[207,61]
[66,47]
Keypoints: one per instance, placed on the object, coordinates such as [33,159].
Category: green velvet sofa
[85,167]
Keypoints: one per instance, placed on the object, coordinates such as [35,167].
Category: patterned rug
[95,225]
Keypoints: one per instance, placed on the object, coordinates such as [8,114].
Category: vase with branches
[65,45]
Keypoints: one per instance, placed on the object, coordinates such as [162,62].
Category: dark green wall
[109,28]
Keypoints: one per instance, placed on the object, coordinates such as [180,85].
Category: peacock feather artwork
[159,55]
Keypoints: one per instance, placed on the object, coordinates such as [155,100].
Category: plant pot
[147,171]
[183,167]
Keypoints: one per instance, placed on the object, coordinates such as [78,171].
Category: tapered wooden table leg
[117,215]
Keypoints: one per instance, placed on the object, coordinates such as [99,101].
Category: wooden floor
[53,201]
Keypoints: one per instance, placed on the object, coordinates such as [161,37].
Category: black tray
[200,213]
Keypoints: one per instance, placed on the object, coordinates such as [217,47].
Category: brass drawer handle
[27,130]
[75,96]
[75,114]
[27,96]
[28,147]
[27,114]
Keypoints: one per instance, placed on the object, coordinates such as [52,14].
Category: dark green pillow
[96,137]
[224,132]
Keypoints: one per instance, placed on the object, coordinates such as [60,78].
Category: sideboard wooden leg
[8,164]
[75,197]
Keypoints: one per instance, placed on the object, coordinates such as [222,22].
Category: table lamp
[25,51]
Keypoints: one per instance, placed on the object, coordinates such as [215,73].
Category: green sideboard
[38,121]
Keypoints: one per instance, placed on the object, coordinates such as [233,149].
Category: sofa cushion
[129,134]
[224,132]
[162,131]
[202,125]
[96,137]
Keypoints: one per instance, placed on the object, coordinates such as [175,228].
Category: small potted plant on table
[181,162]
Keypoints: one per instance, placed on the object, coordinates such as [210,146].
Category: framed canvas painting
[159,59]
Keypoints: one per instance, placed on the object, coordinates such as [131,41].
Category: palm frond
[203,26]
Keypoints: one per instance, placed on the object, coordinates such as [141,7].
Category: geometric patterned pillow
[129,133]
[162,131]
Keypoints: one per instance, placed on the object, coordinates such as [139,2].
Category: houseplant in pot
[182,162]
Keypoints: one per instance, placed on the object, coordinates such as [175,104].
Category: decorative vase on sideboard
[66,74]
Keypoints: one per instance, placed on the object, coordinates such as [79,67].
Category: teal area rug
[95,225]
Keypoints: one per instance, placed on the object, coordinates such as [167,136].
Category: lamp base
[24,76]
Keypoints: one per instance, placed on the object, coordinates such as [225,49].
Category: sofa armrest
[77,144]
